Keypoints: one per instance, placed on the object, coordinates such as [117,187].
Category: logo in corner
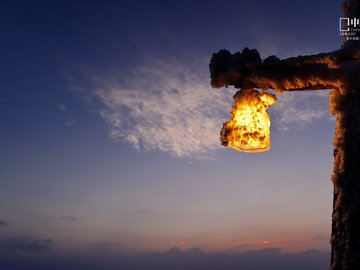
[349,28]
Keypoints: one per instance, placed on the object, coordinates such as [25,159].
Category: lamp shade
[249,127]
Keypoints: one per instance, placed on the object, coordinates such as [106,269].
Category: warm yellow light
[249,128]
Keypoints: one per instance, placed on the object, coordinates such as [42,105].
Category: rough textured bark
[345,237]
[345,104]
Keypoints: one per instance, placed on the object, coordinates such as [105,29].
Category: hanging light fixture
[249,128]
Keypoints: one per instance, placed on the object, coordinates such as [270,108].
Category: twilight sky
[109,128]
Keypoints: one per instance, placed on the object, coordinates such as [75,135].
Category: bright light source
[249,128]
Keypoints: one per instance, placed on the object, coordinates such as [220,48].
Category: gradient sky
[110,129]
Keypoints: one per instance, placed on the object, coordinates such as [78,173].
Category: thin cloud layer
[3,223]
[167,108]
[300,109]
[63,219]
[170,108]
[24,244]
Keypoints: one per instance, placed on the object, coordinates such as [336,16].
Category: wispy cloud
[25,244]
[105,247]
[3,223]
[64,218]
[166,107]
[171,107]
[70,120]
[62,107]
[299,109]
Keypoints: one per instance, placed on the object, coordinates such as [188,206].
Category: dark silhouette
[173,259]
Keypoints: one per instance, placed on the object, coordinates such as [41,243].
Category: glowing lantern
[249,128]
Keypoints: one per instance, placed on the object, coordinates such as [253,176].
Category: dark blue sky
[109,127]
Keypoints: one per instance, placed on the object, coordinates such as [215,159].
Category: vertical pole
[345,236]
[345,104]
